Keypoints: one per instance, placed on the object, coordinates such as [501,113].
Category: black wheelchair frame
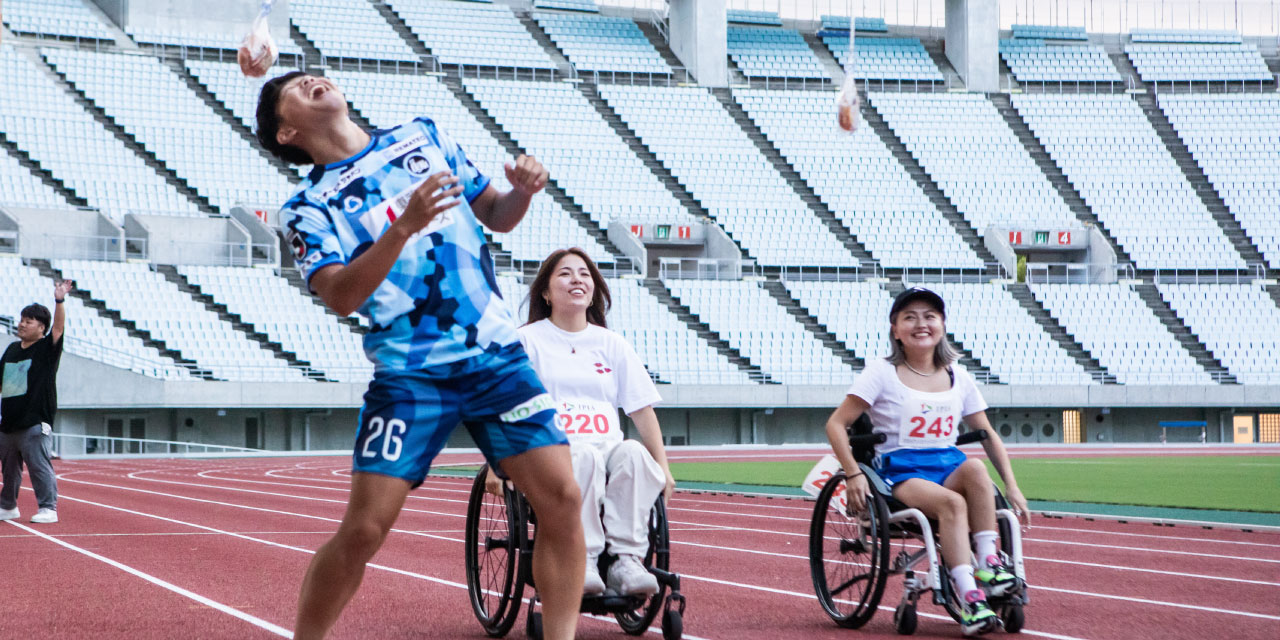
[500,533]
[850,555]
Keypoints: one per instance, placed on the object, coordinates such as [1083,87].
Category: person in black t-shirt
[28,401]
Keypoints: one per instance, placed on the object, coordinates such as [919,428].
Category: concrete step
[1183,334]
[1022,293]
[704,331]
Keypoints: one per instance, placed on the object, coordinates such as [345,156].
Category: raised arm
[501,211]
[59,309]
[838,425]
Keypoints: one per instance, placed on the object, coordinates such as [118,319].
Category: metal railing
[678,76]
[1211,276]
[74,446]
[1215,86]
[700,269]
[225,254]
[801,376]
[415,67]
[123,359]
[1009,84]
[985,273]
[831,274]
[488,71]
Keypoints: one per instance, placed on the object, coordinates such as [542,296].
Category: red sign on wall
[637,230]
[683,233]
[1064,237]
[1015,237]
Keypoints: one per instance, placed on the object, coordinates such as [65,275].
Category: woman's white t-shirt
[912,419]
[591,374]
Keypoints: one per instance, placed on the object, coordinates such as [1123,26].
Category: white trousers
[624,482]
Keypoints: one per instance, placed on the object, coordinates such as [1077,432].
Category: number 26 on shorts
[390,432]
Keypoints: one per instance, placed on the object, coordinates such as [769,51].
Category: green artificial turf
[1233,483]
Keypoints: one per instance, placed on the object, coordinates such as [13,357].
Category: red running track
[217,549]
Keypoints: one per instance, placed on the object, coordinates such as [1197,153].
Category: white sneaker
[627,576]
[45,516]
[592,585]
[9,514]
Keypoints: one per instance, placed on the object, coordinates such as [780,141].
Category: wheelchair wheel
[848,556]
[494,541]
[1013,617]
[636,621]
[905,619]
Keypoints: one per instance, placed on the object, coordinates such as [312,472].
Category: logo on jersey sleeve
[417,164]
[297,244]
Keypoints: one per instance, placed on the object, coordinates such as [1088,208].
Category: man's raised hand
[437,194]
[527,175]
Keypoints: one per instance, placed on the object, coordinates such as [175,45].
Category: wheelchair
[851,557]
[500,533]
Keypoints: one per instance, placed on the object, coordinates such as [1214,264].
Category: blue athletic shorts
[408,415]
[933,465]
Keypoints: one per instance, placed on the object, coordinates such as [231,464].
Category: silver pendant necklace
[913,370]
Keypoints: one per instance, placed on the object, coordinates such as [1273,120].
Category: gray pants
[32,446]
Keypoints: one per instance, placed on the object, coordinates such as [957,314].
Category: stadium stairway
[402,29]
[980,372]
[704,331]
[508,143]
[646,155]
[819,330]
[232,121]
[930,188]
[40,172]
[294,278]
[311,55]
[557,56]
[1187,338]
[939,56]
[46,269]
[263,340]
[1127,71]
[1022,293]
[660,43]
[1053,172]
[1274,292]
[824,56]
[110,124]
[1199,181]
[801,188]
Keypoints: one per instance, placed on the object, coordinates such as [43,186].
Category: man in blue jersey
[388,223]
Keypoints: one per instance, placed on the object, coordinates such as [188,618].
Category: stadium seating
[88,334]
[1199,62]
[711,156]
[1033,61]
[159,307]
[1186,36]
[991,324]
[151,102]
[555,123]
[856,312]
[205,39]
[859,179]
[38,117]
[273,306]
[1235,138]
[19,187]
[65,18]
[885,58]
[861,23]
[568,5]
[743,16]
[1049,32]
[344,29]
[773,53]
[597,43]
[1120,331]
[388,100]
[1237,322]
[767,335]
[969,150]
[1108,150]
[472,34]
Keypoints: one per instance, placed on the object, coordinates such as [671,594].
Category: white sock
[985,544]
[962,576]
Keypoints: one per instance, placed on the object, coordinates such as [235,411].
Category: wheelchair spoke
[849,583]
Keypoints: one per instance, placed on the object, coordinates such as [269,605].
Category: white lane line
[287,633]
[1158,602]
[212,604]
[1156,536]
[1169,551]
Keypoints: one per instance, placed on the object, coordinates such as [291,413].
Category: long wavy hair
[601,300]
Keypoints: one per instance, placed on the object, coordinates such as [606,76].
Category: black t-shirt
[28,384]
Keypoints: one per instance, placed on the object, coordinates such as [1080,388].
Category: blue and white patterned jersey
[440,303]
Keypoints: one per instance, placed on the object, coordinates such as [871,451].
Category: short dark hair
[37,312]
[269,121]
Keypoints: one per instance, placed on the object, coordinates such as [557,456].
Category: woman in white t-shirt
[592,372]
[917,398]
